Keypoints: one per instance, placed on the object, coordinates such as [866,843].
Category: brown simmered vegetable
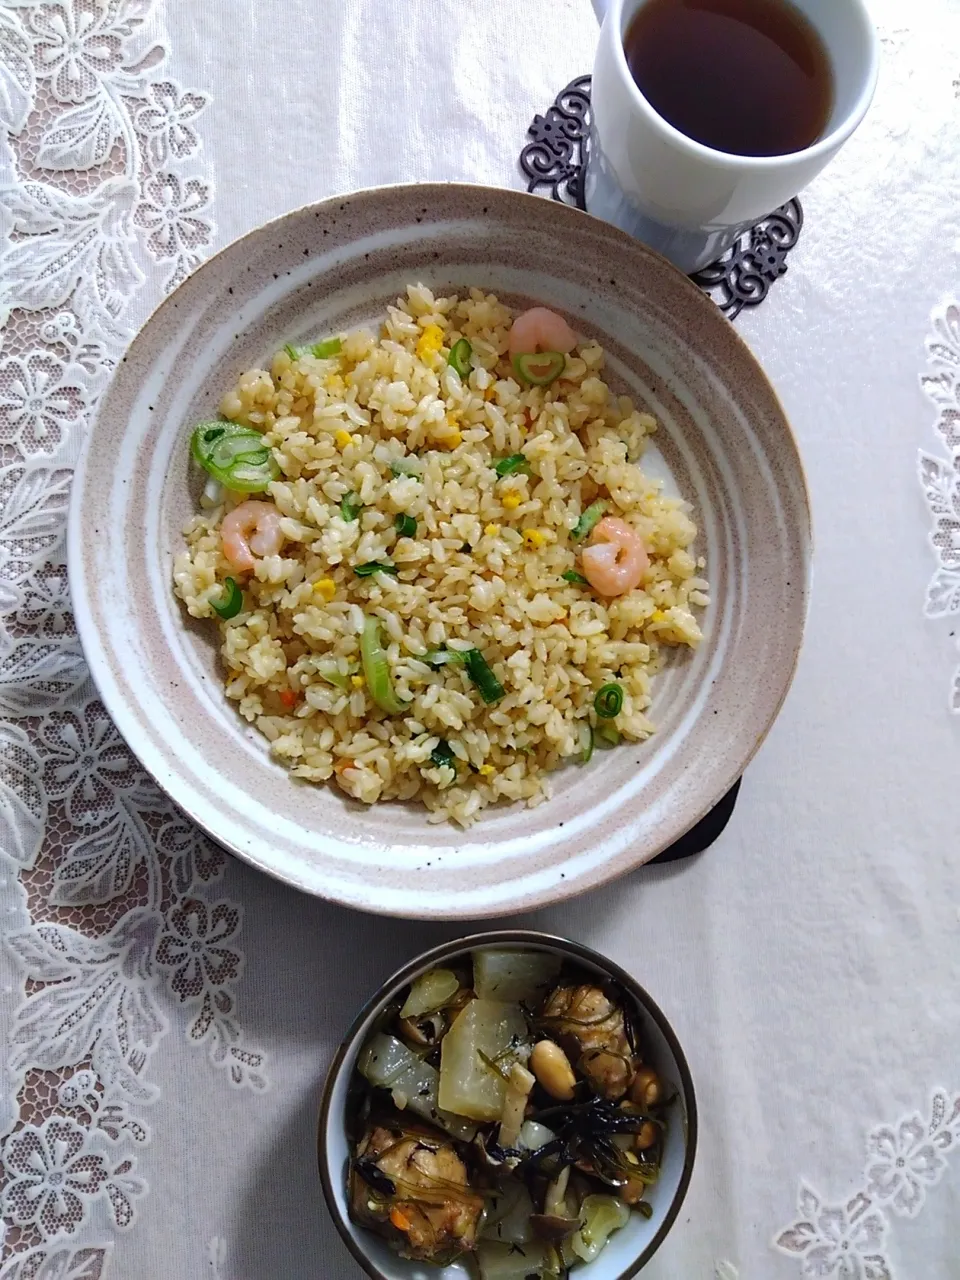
[409,1185]
[589,1025]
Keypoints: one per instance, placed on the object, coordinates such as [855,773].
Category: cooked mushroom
[408,1184]
[552,1227]
[425,1032]
[589,1024]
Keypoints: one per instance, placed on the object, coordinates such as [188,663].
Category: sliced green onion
[405,525]
[443,755]
[350,507]
[491,690]
[292,351]
[540,368]
[406,467]
[324,350]
[578,579]
[232,603]
[609,701]
[510,466]
[235,456]
[375,566]
[440,657]
[376,669]
[586,743]
[588,521]
[459,357]
[330,671]
[607,736]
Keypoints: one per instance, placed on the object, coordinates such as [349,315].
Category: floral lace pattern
[904,1161]
[940,477]
[112,918]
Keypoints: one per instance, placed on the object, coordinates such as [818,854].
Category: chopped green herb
[375,566]
[540,368]
[376,669]
[459,357]
[292,352]
[232,602]
[350,507]
[607,736]
[609,701]
[578,579]
[588,521]
[443,755]
[491,690]
[405,525]
[324,350]
[512,465]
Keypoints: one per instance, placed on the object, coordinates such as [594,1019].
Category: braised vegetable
[482,1034]
[414,1084]
[523,976]
[431,991]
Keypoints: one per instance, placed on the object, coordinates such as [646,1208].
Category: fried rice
[389,425]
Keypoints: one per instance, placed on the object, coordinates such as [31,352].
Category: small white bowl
[629,1249]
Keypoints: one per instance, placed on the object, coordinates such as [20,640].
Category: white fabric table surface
[809,961]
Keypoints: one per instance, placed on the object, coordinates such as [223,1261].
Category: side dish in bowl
[514,1108]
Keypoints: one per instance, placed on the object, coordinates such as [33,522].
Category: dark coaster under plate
[554,162]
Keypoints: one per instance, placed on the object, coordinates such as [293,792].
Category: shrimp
[540,330]
[262,520]
[616,560]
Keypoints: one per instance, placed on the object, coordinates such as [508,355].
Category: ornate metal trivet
[555,159]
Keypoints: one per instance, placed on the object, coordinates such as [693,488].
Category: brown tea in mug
[749,77]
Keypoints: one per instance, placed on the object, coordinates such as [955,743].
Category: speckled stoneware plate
[629,1250]
[724,442]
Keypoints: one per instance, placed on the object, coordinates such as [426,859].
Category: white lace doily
[114,926]
[940,476]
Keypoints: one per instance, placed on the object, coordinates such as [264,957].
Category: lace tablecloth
[166,1014]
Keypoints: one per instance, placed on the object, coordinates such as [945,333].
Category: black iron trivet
[554,161]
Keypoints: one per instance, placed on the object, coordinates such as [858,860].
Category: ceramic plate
[724,442]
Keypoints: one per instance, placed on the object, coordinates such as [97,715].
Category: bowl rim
[514,937]
[93,647]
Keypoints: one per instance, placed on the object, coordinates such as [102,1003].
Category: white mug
[684,199]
